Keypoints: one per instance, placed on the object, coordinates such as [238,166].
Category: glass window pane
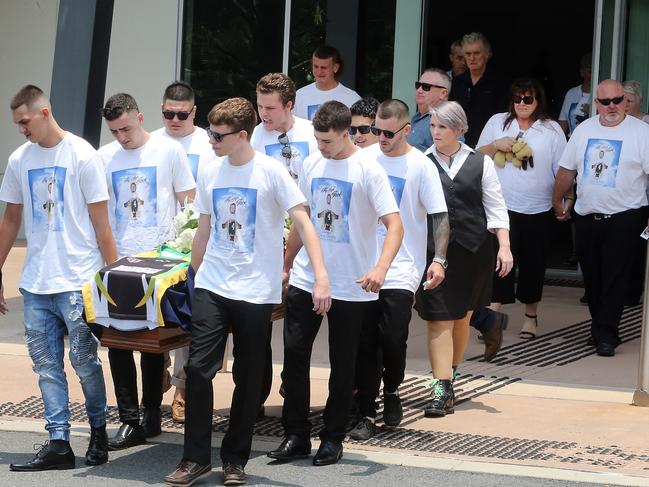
[228,46]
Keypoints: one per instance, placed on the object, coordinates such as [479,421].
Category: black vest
[463,196]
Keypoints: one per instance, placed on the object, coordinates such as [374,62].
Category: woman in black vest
[475,208]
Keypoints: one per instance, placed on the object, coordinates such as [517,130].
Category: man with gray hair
[481,91]
[456,56]
[433,86]
[609,157]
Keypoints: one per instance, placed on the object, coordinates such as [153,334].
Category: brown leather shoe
[188,472]
[233,474]
[493,338]
[178,410]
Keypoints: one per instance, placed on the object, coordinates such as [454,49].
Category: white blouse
[492,196]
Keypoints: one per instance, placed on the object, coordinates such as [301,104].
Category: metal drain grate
[563,282]
[564,346]
[479,446]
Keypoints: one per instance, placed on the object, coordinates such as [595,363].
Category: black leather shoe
[293,447]
[97,452]
[591,341]
[151,422]
[442,401]
[328,453]
[126,437]
[46,459]
[605,350]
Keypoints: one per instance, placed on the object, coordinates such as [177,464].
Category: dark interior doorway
[543,40]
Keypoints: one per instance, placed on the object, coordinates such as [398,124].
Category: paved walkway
[549,407]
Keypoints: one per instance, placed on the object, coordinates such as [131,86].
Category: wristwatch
[442,262]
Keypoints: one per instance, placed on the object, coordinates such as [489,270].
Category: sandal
[530,324]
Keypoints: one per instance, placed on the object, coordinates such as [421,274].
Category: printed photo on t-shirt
[48,207]
[193,165]
[601,161]
[135,197]
[299,151]
[396,185]
[330,200]
[236,212]
[310,111]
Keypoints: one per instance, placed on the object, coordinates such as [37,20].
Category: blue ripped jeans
[46,317]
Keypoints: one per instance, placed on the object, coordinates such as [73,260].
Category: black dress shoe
[605,350]
[46,459]
[328,453]
[97,452]
[126,437]
[291,448]
[151,422]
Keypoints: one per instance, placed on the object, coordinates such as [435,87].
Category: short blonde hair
[451,114]
[633,87]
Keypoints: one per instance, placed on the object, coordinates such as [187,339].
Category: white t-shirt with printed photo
[612,164]
[309,98]
[55,186]
[417,189]
[528,191]
[573,102]
[346,198]
[301,139]
[194,145]
[142,184]
[246,204]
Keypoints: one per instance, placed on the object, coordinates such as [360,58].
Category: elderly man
[481,91]
[456,56]
[609,156]
[433,86]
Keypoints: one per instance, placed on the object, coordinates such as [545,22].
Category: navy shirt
[480,101]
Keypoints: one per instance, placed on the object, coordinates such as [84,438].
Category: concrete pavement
[549,408]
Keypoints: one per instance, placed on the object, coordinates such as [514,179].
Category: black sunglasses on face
[217,136]
[388,133]
[363,129]
[607,101]
[525,99]
[169,115]
[287,151]
[427,86]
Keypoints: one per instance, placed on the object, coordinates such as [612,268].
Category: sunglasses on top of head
[363,129]
[525,99]
[169,115]
[427,86]
[607,101]
[217,136]
[388,133]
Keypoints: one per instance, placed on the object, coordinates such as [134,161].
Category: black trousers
[301,326]
[267,383]
[529,240]
[122,368]
[212,319]
[382,348]
[606,250]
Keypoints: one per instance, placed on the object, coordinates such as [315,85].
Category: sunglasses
[287,151]
[363,129]
[388,133]
[169,115]
[217,136]
[115,112]
[525,99]
[427,86]
[607,101]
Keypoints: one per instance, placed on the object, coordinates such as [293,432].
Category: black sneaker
[46,459]
[233,474]
[392,410]
[363,430]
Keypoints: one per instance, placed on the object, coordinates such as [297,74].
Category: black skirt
[467,286]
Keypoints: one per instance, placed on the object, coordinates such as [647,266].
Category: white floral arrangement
[185,225]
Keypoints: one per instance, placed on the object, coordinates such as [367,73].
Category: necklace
[452,153]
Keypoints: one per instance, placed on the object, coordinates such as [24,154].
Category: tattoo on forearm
[442,233]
